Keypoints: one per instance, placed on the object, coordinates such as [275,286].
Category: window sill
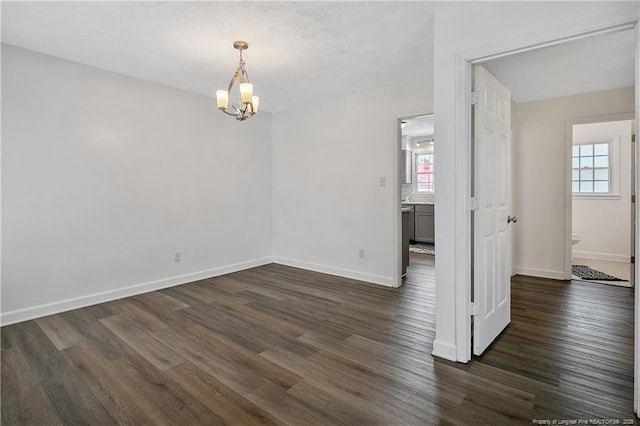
[596,196]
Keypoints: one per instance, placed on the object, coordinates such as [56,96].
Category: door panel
[492,249]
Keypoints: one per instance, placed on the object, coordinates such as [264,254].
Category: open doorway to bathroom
[554,88]
[602,176]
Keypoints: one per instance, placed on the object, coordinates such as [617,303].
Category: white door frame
[463,66]
[636,337]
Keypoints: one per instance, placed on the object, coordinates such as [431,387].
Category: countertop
[430,203]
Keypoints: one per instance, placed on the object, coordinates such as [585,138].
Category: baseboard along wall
[339,272]
[25,314]
[540,273]
[602,256]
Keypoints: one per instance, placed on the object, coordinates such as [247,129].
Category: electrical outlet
[177,257]
[361,254]
[383,181]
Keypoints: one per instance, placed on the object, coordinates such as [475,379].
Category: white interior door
[492,192]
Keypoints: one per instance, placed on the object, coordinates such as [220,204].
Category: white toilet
[575,239]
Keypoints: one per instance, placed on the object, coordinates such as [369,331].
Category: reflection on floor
[567,354]
[421,267]
[617,269]
[421,259]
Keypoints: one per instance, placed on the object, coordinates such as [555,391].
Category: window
[591,168]
[424,173]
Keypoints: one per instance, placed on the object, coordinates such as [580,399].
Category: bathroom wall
[604,223]
[539,162]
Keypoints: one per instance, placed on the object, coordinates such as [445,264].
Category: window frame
[613,168]
[415,170]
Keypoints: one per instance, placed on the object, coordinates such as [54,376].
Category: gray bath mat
[587,273]
[426,248]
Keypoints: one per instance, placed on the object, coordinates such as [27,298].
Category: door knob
[513,219]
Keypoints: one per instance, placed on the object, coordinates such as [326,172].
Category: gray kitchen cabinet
[405,240]
[412,219]
[412,228]
[424,223]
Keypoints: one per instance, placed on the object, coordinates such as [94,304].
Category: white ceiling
[299,51]
[587,65]
[418,126]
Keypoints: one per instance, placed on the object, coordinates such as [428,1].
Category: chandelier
[248,105]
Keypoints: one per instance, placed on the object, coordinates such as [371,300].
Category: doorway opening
[542,104]
[602,175]
[417,190]
[538,175]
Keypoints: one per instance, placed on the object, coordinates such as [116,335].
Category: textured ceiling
[298,51]
[587,65]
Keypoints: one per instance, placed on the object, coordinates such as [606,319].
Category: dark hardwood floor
[279,345]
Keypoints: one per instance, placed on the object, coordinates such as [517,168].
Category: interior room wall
[105,177]
[539,235]
[328,159]
[479,29]
[604,224]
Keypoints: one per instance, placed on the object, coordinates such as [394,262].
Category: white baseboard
[444,350]
[345,273]
[25,314]
[601,256]
[540,273]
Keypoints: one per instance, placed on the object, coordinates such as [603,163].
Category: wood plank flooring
[279,345]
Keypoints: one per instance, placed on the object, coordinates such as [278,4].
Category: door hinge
[474,309]
[474,204]
[474,98]
[633,260]
[633,198]
[633,138]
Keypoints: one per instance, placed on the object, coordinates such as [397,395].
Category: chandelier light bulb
[246,92]
[222,96]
